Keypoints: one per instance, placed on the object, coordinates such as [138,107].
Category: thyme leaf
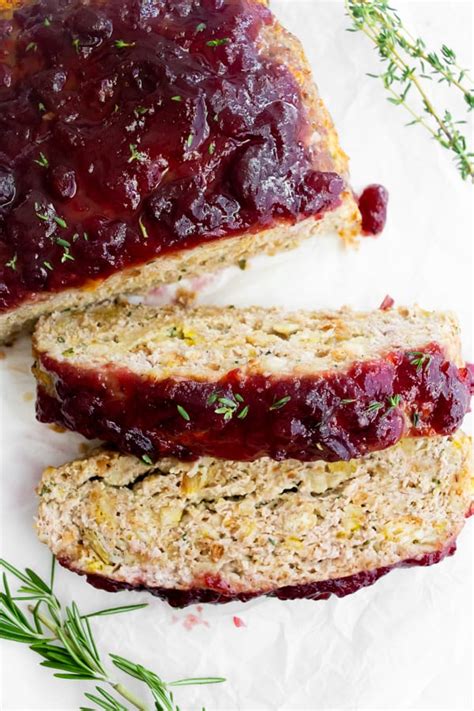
[42,161]
[278,404]
[420,360]
[184,414]
[11,264]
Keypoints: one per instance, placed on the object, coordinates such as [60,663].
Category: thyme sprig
[410,65]
[63,637]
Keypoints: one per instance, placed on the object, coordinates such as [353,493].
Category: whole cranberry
[7,187]
[105,244]
[5,76]
[373,207]
[63,182]
[90,27]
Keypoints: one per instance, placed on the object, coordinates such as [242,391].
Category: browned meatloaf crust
[217,593]
[246,383]
[216,531]
[130,159]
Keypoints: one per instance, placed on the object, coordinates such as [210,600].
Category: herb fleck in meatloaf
[245,383]
[217,530]
[144,140]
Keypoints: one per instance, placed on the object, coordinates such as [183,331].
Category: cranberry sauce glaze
[331,417]
[132,128]
[214,590]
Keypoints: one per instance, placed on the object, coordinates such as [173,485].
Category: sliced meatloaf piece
[250,382]
[215,531]
[141,141]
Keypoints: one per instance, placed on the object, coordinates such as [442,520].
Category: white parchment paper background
[405,643]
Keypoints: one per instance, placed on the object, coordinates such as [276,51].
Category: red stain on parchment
[238,622]
[191,621]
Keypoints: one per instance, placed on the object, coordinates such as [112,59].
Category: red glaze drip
[335,417]
[132,128]
[214,590]
[373,208]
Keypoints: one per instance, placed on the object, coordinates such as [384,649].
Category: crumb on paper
[28,396]
[3,355]
[238,621]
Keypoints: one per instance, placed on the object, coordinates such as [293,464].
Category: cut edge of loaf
[254,529]
[169,269]
[175,341]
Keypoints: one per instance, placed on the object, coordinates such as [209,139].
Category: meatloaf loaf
[142,141]
[246,383]
[214,531]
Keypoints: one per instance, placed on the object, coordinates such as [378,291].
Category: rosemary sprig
[409,66]
[63,638]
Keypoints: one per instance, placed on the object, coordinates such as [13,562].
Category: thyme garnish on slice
[278,404]
[11,264]
[394,401]
[374,406]
[63,637]
[49,215]
[120,44]
[410,66]
[135,154]
[184,414]
[143,229]
[420,359]
[42,160]
[218,42]
[228,406]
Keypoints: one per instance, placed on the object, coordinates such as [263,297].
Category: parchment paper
[405,643]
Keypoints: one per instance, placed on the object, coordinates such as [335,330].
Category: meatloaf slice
[143,141]
[250,382]
[214,530]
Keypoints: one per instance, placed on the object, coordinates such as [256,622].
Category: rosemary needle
[63,638]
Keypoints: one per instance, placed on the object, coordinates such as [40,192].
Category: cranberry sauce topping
[373,208]
[339,416]
[135,127]
[212,589]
